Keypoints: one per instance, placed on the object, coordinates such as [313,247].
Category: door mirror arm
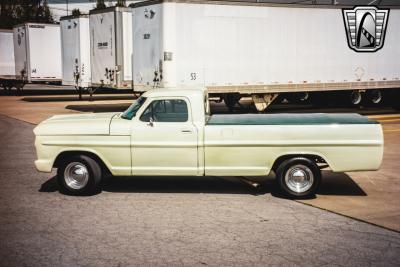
[151,122]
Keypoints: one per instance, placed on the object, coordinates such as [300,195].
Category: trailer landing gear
[231,100]
[261,102]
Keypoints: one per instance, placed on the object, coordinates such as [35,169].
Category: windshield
[131,111]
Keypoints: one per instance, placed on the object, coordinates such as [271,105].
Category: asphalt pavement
[168,221]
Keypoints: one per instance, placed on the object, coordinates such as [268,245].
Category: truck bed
[289,119]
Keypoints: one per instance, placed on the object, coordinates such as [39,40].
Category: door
[164,139]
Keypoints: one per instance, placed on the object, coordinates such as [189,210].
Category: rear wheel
[298,177]
[79,175]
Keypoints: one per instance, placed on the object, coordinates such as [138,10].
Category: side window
[172,110]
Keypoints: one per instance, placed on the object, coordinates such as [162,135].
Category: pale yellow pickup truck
[171,132]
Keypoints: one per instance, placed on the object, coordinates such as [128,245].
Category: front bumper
[43,165]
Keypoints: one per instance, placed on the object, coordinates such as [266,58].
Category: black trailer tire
[298,98]
[79,175]
[394,98]
[298,177]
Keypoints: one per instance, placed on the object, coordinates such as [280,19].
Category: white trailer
[37,49]
[111,51]
[257,49]
[75,43]
[8,79]
[7,63]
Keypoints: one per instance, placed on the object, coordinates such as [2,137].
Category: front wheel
[298,177]
[79,175]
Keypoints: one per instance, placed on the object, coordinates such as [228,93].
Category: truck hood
[76,124]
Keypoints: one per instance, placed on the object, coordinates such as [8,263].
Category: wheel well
[66,154]
[314,158]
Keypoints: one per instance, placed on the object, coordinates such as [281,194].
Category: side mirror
[151,122]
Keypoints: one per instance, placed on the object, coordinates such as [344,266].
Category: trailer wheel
[19,90]
[374,97]
[7,89]
[79,175]
[355,98]
[298,177]
[298,98]
[394,98]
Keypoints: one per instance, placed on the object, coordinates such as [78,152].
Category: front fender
[113,151]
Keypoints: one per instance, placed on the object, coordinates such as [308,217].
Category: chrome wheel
[376,96]
[304,97]
[76,175]
[299,178]
[355,97]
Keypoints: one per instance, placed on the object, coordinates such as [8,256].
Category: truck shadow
[339,184]
[168,184]
[178,184]
[332,184]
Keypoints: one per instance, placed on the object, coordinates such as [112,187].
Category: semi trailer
[7,63]
[261,50]
[75,43]
[8,78]
[111,47]
[37,49]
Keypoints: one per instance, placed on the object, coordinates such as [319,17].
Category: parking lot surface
[368,196]
[168,221]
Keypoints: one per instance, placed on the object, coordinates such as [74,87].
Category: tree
[76,12]
[100,4]
[21,11]
[45,13]
[121,3]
